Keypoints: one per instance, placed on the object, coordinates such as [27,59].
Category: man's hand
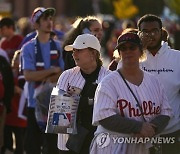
[56,70]
[41,75]
[55,75]
[53,78]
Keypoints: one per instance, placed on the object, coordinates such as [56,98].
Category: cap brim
[73,46]
[123,42]
[68,48]
[51,11]
[117,47]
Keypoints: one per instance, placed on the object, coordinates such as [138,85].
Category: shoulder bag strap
[132,93]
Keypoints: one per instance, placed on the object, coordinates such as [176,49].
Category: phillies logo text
[148,108]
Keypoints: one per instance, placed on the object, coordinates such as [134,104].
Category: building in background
[21,8]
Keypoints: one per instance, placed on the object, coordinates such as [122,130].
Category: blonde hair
[116,54]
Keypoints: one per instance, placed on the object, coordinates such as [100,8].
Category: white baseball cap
[38,12]
[84,41]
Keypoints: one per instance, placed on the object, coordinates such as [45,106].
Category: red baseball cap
[128,37]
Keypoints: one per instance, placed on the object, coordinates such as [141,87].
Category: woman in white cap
[130,105]
[85,76]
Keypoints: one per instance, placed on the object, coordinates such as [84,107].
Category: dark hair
[128,24]
[149,18]
[79,25]
[98,57]
[7,22]
[99,60]
[8,82]
[165,36]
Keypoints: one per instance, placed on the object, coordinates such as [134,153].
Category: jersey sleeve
[28,57]
[63,80]
[105,105]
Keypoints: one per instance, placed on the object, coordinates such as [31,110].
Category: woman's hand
[147,130]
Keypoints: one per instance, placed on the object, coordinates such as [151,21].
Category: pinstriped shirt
[73,78]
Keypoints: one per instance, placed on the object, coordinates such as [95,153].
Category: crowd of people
[136,96]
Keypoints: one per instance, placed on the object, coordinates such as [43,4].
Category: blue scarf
[54,56]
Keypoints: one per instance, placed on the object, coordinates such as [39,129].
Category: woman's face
[96,29]
[83,57]
[130,53]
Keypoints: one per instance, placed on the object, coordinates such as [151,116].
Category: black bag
[75,142]
[156,149]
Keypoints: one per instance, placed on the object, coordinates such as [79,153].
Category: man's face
[151,35]
[45,24]
[4,31]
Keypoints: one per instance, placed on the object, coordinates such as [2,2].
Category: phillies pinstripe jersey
[73,78]
[113,97]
